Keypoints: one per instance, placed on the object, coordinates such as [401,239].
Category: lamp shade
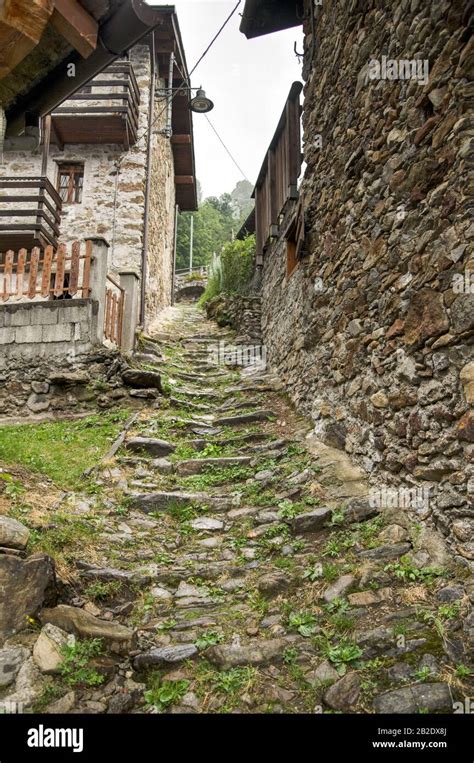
[200,103]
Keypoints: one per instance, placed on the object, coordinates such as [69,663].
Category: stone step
[190,405]
[244,418]
[150,445]
[187,376]
[242,439]
[206,393]
[199,465]
[163,500]
[110,574]
[236,406]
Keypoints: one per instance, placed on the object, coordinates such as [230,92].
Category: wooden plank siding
[277,181]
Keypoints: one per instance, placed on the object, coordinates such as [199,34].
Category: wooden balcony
[104,111]
[30,213]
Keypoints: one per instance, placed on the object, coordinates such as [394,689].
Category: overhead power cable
[227,150]
[145,132]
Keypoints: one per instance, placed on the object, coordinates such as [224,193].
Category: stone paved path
[237,564]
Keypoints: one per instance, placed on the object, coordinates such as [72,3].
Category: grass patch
[62,450]
[102,591]
[75,668]
[163,694]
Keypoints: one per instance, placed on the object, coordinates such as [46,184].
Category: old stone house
[120,161]
[88,207]
[367,267]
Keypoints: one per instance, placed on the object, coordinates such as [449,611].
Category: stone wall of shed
[373,331]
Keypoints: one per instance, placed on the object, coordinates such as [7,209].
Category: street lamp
[200,103]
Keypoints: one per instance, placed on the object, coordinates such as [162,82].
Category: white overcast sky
[248,81]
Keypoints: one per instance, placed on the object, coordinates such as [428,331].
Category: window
[71,183]
[291,258]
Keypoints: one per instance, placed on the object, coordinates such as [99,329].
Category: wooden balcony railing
[104,111]
[30,213]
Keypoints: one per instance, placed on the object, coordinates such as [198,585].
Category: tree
[215,223]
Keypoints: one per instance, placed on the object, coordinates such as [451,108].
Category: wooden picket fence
[114,307]
[46,273]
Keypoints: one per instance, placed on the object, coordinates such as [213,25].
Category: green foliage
[290,655]
[101,591]
[341,654]
[13,488]
[422,674]
[75,668]
[63,537]
[50,693]
[405,570]
[462,671]
[313,573]
[303,622]
[166,693]
[337,517]
[235,680]
[210,638]
[216,221]
[48,447]
[232,273]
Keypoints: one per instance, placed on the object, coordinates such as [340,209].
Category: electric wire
[227,150]
[187,79]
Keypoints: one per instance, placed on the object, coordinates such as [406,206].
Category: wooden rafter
[76,25]
[22,23]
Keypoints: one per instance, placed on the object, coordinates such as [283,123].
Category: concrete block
[45,315]
[21,317]
[24,334]
[60,332]
[7,335]
[84,330]
[72,314]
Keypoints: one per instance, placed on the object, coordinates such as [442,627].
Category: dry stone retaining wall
[373,331]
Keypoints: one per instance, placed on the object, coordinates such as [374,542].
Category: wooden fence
[277,181]
[114,307]
[48,273]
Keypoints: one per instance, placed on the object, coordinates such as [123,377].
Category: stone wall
[161,220]
[32,330]
[52,362]
[373,331]
[47,354]
[242,313]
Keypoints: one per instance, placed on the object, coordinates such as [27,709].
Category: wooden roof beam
[22,23]
[76,25]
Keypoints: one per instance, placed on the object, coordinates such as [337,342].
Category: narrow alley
[226,560]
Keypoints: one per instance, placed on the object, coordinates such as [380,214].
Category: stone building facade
[116,179]
[373,330]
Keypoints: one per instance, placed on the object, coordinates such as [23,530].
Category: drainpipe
[170,97]
[175,242]
[147,187]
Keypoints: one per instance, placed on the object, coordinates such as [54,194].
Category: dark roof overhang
[266,16]
[131,21]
